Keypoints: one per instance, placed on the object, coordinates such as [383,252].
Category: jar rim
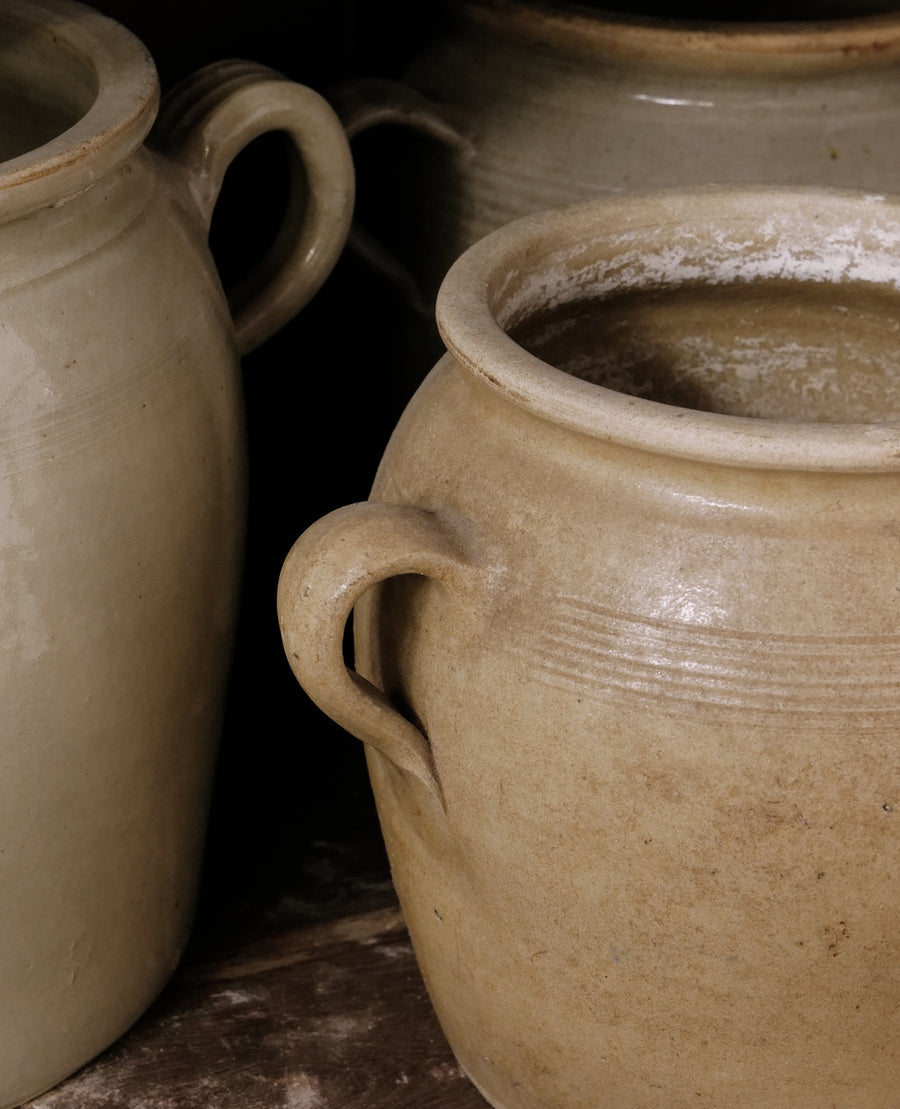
[664,239]
[792,47]
[115,119]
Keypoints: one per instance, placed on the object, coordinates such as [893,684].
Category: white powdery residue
[303,1092]
[396,951]
[887,237]
[549,286]
[751,357]
[835,261]
[746,362]
[802,372]
[671,264]
[877,232]
[231,997]
[344,1027]
[446,1072]
[861,250]
[881,269]
[782,249]
[225,1000]
[786,260]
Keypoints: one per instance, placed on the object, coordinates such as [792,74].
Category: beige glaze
[529,104]
[635,757]
[122,488]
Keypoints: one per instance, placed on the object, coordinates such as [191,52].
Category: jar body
[627,631]
[612,106]
[123,457]
[663,721]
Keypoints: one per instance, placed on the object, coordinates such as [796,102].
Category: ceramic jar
[122,485]
[627,628]
[529,104]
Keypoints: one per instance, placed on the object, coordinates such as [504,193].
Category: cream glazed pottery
[122,461]
[530,104]
[627,636]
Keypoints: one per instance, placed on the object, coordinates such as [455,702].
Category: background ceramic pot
[525,105]
[122,448]
[627,632]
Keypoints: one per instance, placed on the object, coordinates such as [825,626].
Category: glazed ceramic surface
[527,104]
[627,637]
[122,485]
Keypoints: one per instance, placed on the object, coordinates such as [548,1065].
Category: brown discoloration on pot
[659,689]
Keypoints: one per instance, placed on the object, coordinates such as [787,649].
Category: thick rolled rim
[670,236]
[113,125]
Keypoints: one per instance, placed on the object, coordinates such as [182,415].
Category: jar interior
[814,351]
[45,87]
[742,11]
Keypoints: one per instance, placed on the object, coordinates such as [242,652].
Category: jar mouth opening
[746,326]
[78,93]
[801,36]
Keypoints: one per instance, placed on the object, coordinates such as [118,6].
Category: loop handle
[207,120]
[326,572]
[371,102]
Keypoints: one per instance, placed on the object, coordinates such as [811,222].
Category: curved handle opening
[328,570]
[367,104]
[210,121]
[243,235]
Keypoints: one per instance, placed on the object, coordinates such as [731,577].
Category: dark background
[292,823]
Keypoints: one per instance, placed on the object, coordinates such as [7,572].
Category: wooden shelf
[330,1016]
[300,989]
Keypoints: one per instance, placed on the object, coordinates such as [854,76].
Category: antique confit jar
[627,626]
[122,487]
[529,104]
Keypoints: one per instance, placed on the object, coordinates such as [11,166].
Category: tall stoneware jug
[627,625]
[529,104]
[122,489]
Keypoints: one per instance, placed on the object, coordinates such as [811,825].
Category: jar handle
[328,569]
[370,102]
[207,120]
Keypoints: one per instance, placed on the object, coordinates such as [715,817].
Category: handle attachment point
[328,569]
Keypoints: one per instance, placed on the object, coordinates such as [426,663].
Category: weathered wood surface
[328,1016]
[299,990]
